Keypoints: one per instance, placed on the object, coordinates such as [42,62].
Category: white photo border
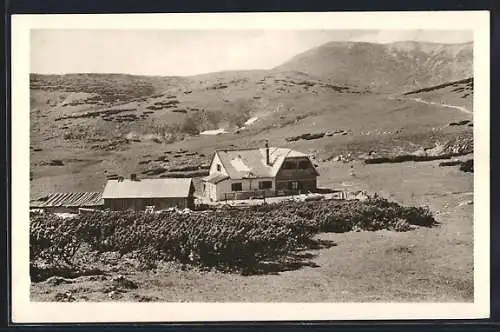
[24,311]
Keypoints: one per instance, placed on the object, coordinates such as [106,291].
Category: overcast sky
[168,52]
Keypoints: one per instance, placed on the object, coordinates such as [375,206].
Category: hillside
[400,66]
[163,109]
[87,128]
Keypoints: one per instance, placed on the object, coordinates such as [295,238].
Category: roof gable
[216,161]
[148,188]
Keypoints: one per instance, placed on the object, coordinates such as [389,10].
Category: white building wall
[252,184]
[211,191]
[218,191]
[213,166]
[224,187]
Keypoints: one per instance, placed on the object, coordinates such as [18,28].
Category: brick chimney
[267,154]
[133,177]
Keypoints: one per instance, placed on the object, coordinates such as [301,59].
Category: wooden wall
[306,178]
[140,204]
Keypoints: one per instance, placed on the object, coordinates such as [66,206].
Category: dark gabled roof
[148,188]
[251,163]
[69,200]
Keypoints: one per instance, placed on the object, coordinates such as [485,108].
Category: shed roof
[68,199]
[251,163]
[148,188]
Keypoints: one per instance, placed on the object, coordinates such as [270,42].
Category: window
[236,186]
[218,168]
[288,165]
[265,185]
[304,164]
[294,185]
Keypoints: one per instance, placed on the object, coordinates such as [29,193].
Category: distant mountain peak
[391,67]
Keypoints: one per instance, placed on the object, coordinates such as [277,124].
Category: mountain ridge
[390,67]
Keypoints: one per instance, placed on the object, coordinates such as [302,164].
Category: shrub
[52,238]
[373,214]
[450,163]
[228,238]
[190,126]
[467,166]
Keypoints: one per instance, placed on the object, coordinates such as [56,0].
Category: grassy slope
[373,121]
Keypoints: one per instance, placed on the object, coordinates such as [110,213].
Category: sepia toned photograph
[259,165]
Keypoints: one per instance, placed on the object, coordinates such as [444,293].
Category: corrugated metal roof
[248,163]
[69,200]
[148,188]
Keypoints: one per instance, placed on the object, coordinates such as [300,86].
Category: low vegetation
[468,86]
[227,239]
[405,158]
[467,166]
[108,88]
[458,146]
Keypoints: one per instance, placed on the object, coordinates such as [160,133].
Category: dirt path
[460,108]
[419,100]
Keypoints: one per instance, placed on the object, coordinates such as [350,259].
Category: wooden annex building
[138,194]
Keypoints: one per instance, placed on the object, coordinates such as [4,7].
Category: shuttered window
[265,184]
[236,186]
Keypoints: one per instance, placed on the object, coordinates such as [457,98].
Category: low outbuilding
[67,202]
[135,194]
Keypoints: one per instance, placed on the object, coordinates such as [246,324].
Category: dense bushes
[223,238]
[406,157]
[373,214]
[467,166]
[307,136]
[457,146]
[226,238]
[450,163]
